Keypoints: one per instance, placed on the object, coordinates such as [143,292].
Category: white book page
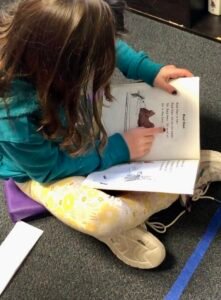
[178,114]
[171,176]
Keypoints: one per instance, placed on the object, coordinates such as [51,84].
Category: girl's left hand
[166,74]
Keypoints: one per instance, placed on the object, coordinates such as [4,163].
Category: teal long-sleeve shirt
[25,154]
[136,65]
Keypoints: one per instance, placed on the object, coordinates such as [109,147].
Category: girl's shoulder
[21,100]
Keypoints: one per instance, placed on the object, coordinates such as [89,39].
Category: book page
[138,104]
[169,176]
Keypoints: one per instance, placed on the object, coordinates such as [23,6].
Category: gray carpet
[66,264]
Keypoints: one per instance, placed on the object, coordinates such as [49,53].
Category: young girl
[57,58]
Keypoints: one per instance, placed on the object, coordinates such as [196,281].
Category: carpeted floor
[66,264]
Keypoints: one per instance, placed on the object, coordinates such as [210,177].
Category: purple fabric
[19,205]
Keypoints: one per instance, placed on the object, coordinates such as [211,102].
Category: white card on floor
[15,248]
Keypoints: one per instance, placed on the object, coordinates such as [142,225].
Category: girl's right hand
[139,140]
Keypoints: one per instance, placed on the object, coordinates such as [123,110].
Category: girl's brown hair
[61,47]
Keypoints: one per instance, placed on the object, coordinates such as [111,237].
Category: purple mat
[19,205]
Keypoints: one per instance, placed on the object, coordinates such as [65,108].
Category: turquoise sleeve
[43,160]
[135,65]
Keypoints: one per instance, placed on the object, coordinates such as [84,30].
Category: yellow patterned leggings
[92,211]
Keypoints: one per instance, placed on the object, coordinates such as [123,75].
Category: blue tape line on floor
[192,263]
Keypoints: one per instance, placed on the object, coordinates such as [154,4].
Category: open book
[172,164]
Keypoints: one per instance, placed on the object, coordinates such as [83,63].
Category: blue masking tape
[192,263]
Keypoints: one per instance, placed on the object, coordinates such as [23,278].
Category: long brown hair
[60,46]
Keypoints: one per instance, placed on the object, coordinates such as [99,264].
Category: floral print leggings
[95,212]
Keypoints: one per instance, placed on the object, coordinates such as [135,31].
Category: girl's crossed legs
[108,218]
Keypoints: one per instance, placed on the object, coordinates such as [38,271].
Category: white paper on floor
[15,248]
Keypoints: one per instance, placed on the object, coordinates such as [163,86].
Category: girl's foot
[137,248]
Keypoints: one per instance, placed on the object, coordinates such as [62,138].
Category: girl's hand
[166,74]
[139,140]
